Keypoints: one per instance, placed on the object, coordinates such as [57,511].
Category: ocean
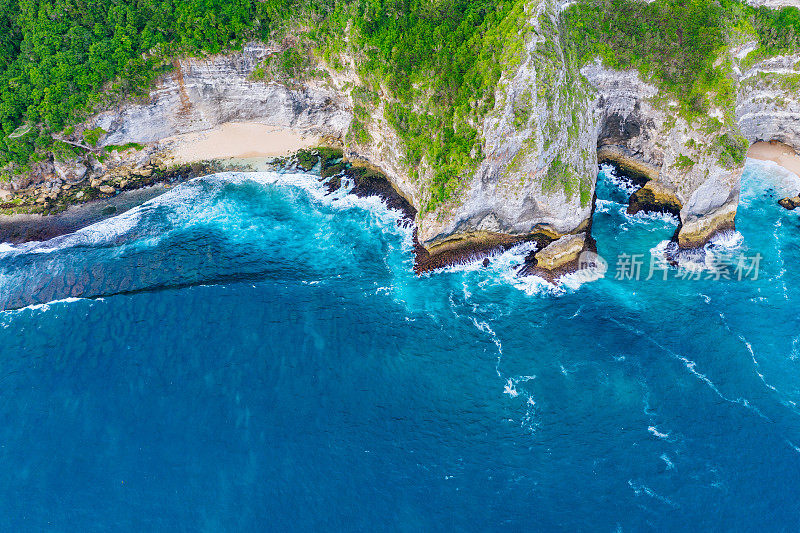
[245,352]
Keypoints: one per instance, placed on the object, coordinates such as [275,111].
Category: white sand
[778,153]
[240,140]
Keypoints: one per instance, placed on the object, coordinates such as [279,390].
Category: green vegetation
[732,150]
[92,136]
[59,59]
[436,65]
[122,147]
[677,43]
[562,176]
[440,63]
[684,162]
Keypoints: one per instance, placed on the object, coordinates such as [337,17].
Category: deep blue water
[245,354]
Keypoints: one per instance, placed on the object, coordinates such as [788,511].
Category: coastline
[778,153]
[37,213]
[26,227]
[254,146]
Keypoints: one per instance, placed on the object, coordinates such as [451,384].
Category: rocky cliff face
[768,101]
[539,171]
[202,94]
[541,141]
[773,3]
[644,134]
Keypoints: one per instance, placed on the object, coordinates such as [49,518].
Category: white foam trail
[622,182]
[503,267]
[510,388]
[667,461]
[657,433]
[486,328]
[760,176]
[604,206]
[43,307]
[691,366]
[529,420]
[649,216]
[189,203]
[639,488]
[731,240]
[793,446]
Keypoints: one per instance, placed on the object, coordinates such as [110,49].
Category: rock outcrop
[540,167]
[646,136]
[790,203]
[768,100]
[655,196]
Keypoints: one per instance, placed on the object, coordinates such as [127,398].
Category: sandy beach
[239,140]
[778,153]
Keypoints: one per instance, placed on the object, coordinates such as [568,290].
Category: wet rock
[790,203]
[107,189]
[306,160]
[655,196]
[560,252]
[559,257]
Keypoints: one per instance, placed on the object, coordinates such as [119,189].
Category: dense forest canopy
[677,42]
[440,60]
[59,56]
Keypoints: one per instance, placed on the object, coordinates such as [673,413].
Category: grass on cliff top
[440,64]
[677,43]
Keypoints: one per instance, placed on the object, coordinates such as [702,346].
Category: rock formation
[550,124]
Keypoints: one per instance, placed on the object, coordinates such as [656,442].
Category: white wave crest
[623,182]
[43,307]
[657,433]
[192,202]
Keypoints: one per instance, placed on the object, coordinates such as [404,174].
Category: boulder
[72,172]
[790,203]
[107,189]
[561,252]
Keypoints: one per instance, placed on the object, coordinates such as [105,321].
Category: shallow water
[245,352]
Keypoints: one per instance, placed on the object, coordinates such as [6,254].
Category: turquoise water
[246,353]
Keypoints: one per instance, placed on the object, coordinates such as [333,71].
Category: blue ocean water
[246,353]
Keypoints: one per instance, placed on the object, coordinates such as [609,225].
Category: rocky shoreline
[43,212]
[53,197]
